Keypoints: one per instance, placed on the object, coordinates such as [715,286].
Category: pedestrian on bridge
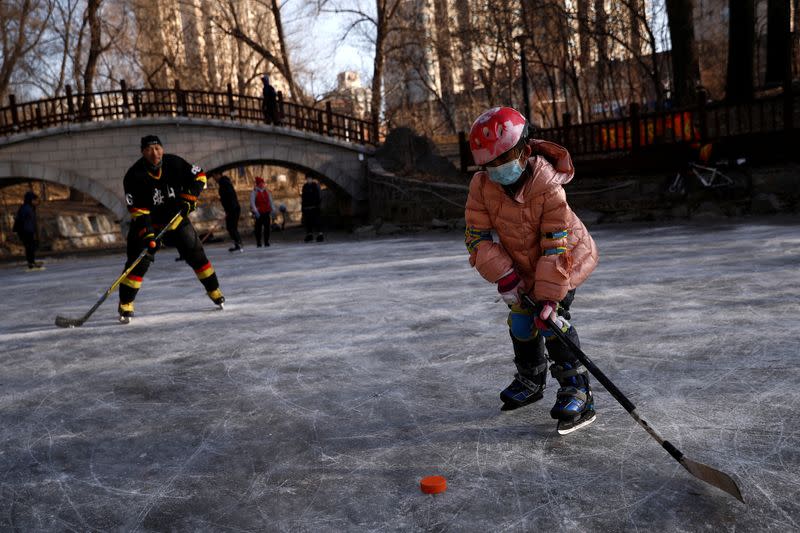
[157,187]
[543,252]
[230,203]
[269,103]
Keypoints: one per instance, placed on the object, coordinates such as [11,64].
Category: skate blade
[564,429]
[124,320]
[511,406]
[220,307]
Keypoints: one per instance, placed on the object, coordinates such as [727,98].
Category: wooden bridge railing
[128,103]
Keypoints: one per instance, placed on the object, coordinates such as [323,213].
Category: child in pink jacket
[543,251]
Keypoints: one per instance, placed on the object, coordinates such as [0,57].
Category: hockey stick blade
[64,322]
[702,472]
[712,476]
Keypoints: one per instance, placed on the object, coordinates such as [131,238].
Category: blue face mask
[507,173]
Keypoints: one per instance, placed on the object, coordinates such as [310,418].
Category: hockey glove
[509,287]
[548,310]
[150,243]
[187,206]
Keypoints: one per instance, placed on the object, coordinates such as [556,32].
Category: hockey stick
[205,237]
[64,322]
[702,472]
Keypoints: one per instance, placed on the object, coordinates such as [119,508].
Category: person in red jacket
[261,207]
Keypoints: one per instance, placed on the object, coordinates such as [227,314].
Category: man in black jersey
[157,187]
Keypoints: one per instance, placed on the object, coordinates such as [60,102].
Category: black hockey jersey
[155,197]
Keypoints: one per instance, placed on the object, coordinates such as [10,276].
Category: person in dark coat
[311,204]
[269,104]
[230,203]
[25,227]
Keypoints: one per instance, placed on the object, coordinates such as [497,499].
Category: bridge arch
[93,157]
[18,171]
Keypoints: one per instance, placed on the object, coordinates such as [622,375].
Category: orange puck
[433,484]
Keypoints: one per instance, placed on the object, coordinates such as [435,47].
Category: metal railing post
[702,115]
[635,127]
[70,104]
[12,103]
[329,117]
[180,100]
[231,108]
[125,110]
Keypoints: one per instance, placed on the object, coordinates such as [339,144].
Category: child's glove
[509,287]
[548,311]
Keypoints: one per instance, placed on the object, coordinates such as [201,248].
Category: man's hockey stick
[64,322]
[702,472]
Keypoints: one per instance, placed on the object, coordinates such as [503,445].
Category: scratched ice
[341,373]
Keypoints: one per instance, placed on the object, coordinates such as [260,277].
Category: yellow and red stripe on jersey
[187,196]
[201,178]
[138,211]
[134,282]
[204,271]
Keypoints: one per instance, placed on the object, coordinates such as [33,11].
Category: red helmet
[495,132]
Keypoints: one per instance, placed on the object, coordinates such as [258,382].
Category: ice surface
[342,373]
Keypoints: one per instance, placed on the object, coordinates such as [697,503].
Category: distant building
[349,97]
[437,71]
[178,40]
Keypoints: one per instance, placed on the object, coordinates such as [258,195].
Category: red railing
[698,124]
[703,123]
[128,103]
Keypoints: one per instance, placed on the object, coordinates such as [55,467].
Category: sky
[324,54]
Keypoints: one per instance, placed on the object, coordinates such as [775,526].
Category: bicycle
[710,177]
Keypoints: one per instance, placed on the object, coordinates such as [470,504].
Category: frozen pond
[341,373]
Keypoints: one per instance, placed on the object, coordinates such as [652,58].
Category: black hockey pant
[185,239]
[232,224]
[262,226]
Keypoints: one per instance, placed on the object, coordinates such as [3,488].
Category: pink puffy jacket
[540,237]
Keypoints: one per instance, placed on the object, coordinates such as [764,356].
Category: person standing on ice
[25,228]
[157,187]
[544,251]
[230,204]
[261,207]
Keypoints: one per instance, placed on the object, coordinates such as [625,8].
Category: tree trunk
[377,71]
[741,46]
[445,55]
[779,44]
[95,49]
[276,14]
[685,63]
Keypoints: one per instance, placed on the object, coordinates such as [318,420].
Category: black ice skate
[574,407]
[237,247]
[125,312]
[521,392]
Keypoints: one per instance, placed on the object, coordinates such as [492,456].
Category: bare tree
[24,25]
[230,21]
[685,62]
[741,46]
[376,24]
[779,44]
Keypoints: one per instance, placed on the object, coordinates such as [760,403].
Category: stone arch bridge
[92,157]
